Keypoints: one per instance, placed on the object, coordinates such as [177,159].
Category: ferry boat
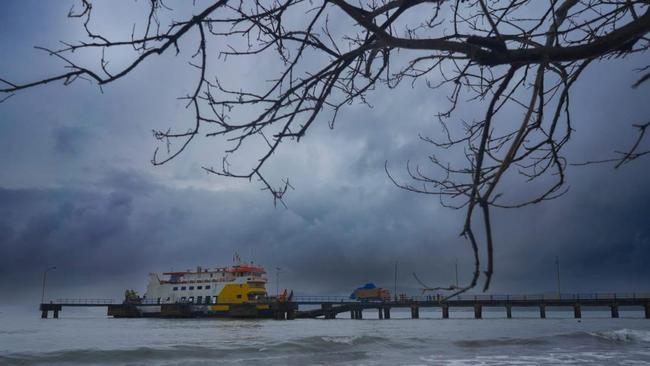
[235,291]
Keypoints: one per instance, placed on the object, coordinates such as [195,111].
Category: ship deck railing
[84,301]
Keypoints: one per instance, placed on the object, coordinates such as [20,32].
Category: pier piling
[509,311]
[386,313]
[478,311]
[328,312]
[647,310]
[614,309]
[542,311]
[54,308]
[445,311]
[381,313]
[415,312]
[577,313]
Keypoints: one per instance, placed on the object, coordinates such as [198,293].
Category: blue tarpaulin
[364,287]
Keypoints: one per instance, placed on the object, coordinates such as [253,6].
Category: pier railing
[423,298]
[329,306]
[544,296]
[321,299]
[332,305]
[484,297]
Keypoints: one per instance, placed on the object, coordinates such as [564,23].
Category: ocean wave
[623,335]
[546,358]
[479,343]
[619,335]
[349,340]
[18,331]
[324,344]
[115,356]
[195,353]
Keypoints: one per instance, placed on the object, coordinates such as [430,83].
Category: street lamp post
[395,288]
[557,268]
[44,278]
[277,280]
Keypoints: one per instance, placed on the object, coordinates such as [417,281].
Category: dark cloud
[325,243]
[69,139]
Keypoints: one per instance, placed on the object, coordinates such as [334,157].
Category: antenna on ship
[277,280]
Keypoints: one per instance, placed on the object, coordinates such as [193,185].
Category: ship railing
[84,301]
[104,302]
[153,301]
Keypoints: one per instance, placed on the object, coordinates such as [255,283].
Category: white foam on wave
[552,358]
[340,339]
[624,335]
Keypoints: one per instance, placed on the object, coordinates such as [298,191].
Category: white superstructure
[239,283]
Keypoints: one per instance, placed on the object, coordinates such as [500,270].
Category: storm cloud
[77,190]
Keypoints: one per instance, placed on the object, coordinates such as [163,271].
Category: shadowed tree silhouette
[519,57]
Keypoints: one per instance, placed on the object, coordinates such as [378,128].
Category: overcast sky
[78,191]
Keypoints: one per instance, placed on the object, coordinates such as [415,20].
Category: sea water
[88,337]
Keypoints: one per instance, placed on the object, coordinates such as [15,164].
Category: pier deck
[329,307]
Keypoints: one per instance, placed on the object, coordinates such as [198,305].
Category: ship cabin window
[191,287]
[210,275]
[199,299]
[199,287]
[207,287]
[239,296]
[158,301]
[191,299]
[214,299]
[176,288]
[207,300]
[167,300]
[183,288]
[183,299]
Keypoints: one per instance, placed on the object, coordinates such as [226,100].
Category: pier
[329,307]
